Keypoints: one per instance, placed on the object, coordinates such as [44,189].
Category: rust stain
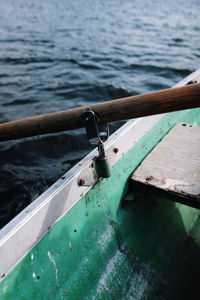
[149,178]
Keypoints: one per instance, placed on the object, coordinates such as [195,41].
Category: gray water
[61,54]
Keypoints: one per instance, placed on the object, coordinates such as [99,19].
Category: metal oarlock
[97,135]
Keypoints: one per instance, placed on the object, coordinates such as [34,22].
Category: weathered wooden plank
[174,165]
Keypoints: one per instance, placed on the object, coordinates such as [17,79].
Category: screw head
[81,181]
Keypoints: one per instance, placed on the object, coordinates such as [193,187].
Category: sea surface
[59,54]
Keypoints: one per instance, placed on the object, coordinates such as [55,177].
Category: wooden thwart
[173,166]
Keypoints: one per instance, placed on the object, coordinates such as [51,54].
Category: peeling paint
[171,183]
[117,259]
[5,289]
[105,237]
[70,246]
[137,288]
[34,276]
[51,258]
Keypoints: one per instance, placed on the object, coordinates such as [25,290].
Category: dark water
[61,54]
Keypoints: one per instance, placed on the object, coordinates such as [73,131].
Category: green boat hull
[85,242]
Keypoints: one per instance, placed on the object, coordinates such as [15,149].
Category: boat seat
[172,169]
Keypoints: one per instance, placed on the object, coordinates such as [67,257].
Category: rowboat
[119,237]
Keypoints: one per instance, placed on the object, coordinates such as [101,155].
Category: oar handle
[121,109]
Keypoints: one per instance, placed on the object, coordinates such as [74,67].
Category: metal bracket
[97,135]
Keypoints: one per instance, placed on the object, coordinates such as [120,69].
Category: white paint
[105,237]
[70,246]
[138,283]
[138,287]
[32,256]
[117,259]
[170,183]
[34,276]
[5,289]
[51,258]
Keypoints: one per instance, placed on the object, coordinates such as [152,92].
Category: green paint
[99,250]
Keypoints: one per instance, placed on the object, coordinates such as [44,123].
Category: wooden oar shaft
[122,109]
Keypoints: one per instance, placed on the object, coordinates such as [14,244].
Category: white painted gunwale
[21,234]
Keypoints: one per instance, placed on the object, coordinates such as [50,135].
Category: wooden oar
[122,109]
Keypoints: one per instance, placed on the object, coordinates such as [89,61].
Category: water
[61,54]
